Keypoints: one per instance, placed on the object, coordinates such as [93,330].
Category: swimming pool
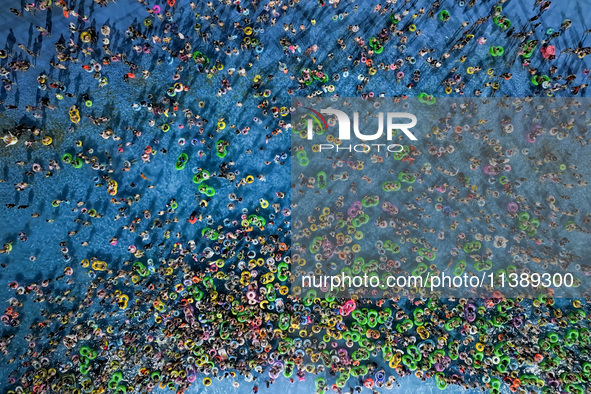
[268,162]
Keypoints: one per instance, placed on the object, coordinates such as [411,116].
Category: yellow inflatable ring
[123,300]
[85,37]
[99,265]
[250,179]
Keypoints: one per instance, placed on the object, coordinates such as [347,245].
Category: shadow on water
[10,40]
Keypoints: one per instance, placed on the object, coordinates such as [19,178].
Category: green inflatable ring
[181,161]
[321,180]
[77,162]
[444,15]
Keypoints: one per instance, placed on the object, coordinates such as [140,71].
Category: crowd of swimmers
[199,299]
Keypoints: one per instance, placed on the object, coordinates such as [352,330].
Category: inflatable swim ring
[181,161]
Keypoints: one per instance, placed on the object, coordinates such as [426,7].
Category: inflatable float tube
[181,161]
[200,58]
[221,149]
[502,22]
[112,187]
[321,179]
[425,98]
[496,51]
[444,15]
[201,176]
[77,162]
